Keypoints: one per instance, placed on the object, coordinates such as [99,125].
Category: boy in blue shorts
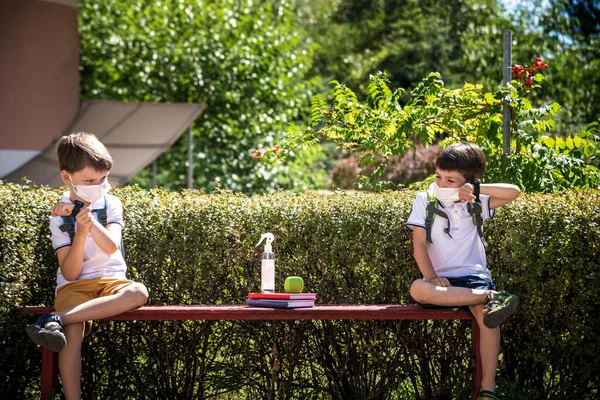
[91,281]
[448,242]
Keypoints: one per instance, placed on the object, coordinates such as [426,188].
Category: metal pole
[190,155]
[154,173]
[506,76]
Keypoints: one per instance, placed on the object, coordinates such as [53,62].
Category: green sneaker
[501,305]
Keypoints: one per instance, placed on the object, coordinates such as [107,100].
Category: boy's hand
[84,220]
[61,209]
[466,193]
[440,282]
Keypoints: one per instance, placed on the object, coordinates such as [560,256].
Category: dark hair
[80,150]
[466,158]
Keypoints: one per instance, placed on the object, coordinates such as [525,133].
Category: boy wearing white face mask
[91,281]
[450,252]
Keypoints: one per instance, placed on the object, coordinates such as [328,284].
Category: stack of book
[281,300]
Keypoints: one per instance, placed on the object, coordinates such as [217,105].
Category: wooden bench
[49,379]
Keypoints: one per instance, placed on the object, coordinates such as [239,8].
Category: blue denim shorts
[469,282]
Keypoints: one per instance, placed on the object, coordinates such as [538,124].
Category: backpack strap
[475,209]
[68,226]
[69,220]
[430,212]
[101,213]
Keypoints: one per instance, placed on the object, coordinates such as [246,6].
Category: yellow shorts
[78,292]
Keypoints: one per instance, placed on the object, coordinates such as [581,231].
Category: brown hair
[466,158]
[79,150]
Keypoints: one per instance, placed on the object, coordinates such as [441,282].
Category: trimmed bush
[190,248]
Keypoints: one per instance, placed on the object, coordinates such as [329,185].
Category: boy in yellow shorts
[86,231]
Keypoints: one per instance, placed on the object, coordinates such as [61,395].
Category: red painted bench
[241,312]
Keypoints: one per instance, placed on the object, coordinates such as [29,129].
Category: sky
[511,5]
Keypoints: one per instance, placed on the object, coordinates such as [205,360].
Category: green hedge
[190,248]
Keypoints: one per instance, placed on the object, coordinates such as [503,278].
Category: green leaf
[548,141]
[569,143]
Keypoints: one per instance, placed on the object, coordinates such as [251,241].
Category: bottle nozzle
[269,239]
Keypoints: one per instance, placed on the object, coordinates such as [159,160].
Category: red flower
[538,64]
[276,148]
[528,81]
[517,70]
[257,154]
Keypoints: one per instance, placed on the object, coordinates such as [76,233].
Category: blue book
[280,303]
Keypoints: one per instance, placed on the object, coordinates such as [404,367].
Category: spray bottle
[267,265]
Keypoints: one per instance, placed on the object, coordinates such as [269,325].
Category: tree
[382,126]
[584,17]
[566,33]
[462,40]
[245,60]
[355,38]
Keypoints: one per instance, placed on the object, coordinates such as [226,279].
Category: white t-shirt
[96,262]
[462,254]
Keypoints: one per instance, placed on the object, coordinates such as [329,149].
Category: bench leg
[477,357]
[49,373]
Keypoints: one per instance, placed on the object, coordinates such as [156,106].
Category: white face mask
[91,193]
[445,195]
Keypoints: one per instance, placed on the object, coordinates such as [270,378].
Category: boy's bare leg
[133,296]
[69,361]
[428,293]
[489,346]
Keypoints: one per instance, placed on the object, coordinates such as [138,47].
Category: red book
[270,303]
[283,296]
